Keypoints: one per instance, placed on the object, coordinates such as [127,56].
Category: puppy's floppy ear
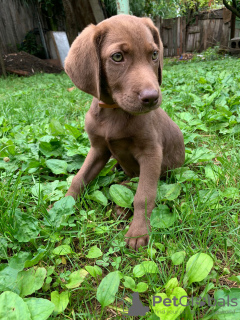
[82,63]
[148,22]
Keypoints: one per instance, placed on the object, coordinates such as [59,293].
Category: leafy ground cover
[71,262]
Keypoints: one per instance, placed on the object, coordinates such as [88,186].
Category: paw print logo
[137,308]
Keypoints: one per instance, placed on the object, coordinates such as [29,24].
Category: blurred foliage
[163,8]
[31,45]
[233,5]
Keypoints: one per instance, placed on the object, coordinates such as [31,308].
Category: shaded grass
[35,110]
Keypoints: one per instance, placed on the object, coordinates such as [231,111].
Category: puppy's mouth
[138,106]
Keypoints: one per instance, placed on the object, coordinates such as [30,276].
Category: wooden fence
[208,29]
[15,21]
[178,35]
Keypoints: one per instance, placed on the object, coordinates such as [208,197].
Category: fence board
[15,21]
[209,30]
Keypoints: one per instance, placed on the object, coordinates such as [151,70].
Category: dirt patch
[25,64]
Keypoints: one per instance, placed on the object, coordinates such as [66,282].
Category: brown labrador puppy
[119,62]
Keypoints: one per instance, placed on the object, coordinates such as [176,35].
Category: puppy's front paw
[137,235]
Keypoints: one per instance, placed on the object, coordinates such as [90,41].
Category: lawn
[71,262]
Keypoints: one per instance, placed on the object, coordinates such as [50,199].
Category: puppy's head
[119,61]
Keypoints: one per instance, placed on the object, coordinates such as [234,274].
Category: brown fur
[138,134]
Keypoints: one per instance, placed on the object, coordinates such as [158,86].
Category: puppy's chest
[119,139]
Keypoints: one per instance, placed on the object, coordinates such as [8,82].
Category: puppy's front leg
[93,164]
[144,200]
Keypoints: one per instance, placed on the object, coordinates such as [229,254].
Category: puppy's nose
[148,97]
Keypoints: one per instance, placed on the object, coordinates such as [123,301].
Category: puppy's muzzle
[148,97]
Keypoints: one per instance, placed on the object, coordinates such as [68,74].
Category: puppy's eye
[117,57]
[155,55]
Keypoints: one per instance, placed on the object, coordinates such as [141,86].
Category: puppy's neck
[106,105]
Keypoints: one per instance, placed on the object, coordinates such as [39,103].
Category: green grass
[43,144]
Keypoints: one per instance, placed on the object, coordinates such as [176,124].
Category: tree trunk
[2,62]
[232,7]
[233,21]
[79,14]
[72,29]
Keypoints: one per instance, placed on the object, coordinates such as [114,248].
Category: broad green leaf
[108,167]
[26,226]
[104,181]
[31,166]
[153,316]
[74,131]
[178,257]
[161,217]
[12,307]
[189,137]
[169,191]
[8,166]
[171,285]
[32,262]
[129,283]
[231,193]
[75,163]
[138,271]
[185,175]
[49,190]
[3,248]
[200,154]
[50,270]
[202,80]
[94,252]
[57,166]
[102,229]
[213,172]
[108,288]
[39,308]
[145,267]
[37,189]
[236,129]
[76,278]
[29,281]
[60,301]
[228,304]
[56,128]
[235,279]
[63,250]
[8,275]
[169,311]
[210,197]
[8,278]
[159,246]
[187,313]
[77,150]
[151,253]
[60,212]
[94,271]
[51,149]
[18,260]
[197,100]
[99,197]
[121,195]
[187,116]
[150,267]
[141,287]
[197,268]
